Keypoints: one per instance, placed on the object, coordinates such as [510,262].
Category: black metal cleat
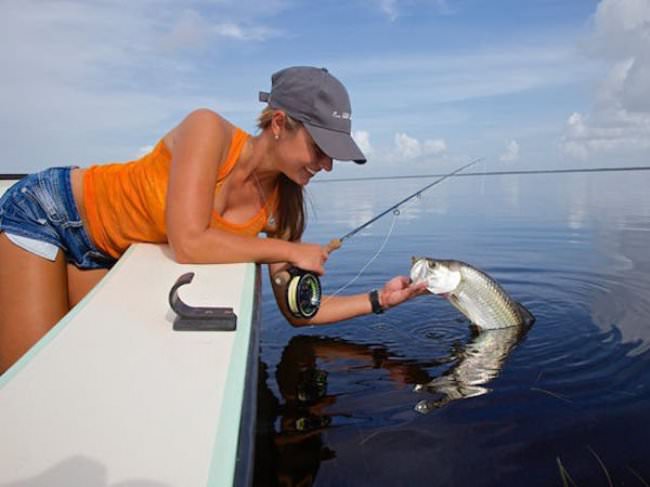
[199,318]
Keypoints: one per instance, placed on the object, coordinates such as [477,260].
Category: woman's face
[299,157]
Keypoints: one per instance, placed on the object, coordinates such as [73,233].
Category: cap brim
[337,145]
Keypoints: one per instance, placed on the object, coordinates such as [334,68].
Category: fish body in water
[475,294]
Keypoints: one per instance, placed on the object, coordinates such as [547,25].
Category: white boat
[112,395]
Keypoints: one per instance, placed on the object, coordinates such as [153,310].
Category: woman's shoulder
[201,124]
[208,117]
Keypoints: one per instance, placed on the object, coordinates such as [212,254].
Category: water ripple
[575,254]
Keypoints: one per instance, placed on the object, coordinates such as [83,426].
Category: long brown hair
[291,213]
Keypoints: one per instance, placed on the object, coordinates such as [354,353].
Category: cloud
[192,30]
[389,8]
[245,33]
[438,77]
[407,147]
[434,146]
[94,81]
[620,27]
[394,8]
[618,133]
[362,138]
[619,121]
[511,153]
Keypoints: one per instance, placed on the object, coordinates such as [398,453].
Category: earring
[276,137]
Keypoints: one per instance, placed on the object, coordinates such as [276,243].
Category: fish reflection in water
[291,446]
[478,362]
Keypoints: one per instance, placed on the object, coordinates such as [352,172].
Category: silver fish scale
[483,301]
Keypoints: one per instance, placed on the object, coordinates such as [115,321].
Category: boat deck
[112,394]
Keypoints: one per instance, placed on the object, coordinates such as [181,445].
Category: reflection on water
[476,365]
[293,431]
[618,303]
[571,397]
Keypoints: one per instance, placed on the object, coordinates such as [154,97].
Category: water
[568,402]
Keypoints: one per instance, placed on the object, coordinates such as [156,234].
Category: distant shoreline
[490,173]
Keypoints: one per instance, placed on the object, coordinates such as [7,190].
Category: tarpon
[475,294]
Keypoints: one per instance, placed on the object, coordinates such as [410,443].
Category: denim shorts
[41,207]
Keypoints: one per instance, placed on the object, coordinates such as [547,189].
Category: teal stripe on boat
[59,327]
[222,465]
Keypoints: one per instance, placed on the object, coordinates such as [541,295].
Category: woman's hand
[309,257]
[398,290]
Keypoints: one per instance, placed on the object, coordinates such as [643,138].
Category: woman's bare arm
[200,144]
[338,308]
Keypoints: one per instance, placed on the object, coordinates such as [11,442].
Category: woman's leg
[33,297]
[80,282]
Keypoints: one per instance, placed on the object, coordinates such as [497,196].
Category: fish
[474,293]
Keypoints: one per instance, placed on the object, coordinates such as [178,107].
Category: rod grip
[333,245]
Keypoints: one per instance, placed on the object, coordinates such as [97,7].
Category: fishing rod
[303,289]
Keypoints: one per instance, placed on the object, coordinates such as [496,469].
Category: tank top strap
[237,142]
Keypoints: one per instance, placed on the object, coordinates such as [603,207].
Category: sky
[533,84]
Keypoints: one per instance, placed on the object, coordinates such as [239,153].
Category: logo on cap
[344,115]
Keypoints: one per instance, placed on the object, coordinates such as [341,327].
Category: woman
[207,188]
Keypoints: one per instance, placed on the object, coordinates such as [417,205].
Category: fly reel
[302,291]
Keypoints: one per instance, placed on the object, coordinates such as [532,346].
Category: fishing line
[396,213]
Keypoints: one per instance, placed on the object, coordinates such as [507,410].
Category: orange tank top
[125,202]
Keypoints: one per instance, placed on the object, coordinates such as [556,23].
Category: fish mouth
[418,269]
[441,279]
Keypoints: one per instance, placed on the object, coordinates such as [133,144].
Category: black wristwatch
[374,302]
